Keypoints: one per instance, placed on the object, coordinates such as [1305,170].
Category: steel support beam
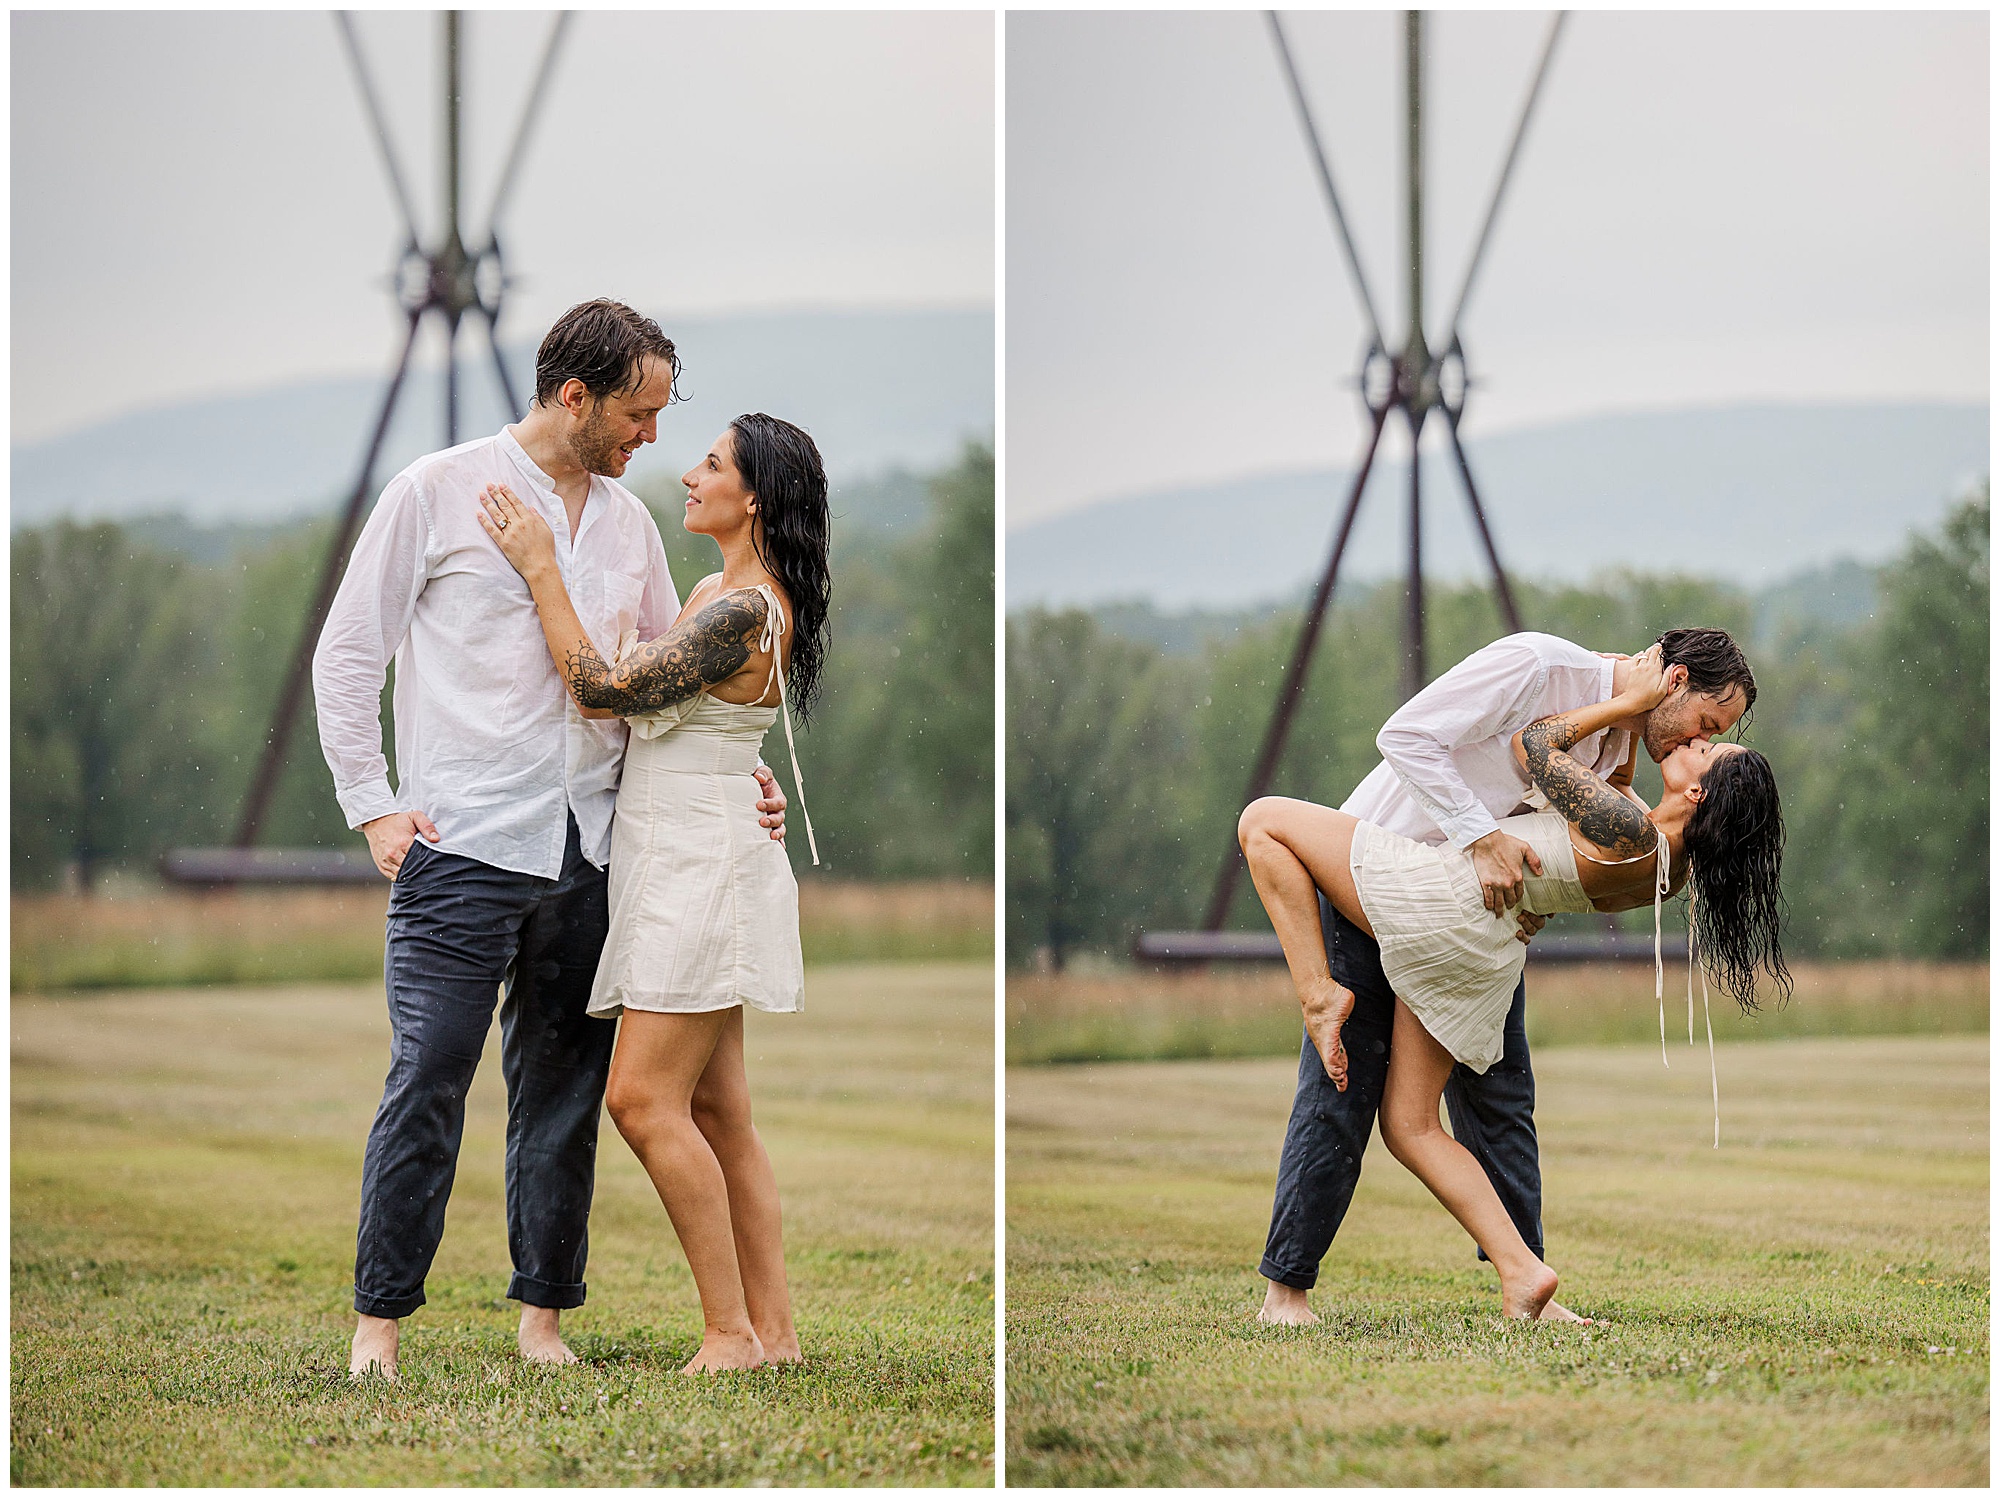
[277,737]
[1295,676]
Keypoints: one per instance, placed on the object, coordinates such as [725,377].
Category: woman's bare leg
[722,1113]
[655,1070]
[1295,849]
[1418,1068]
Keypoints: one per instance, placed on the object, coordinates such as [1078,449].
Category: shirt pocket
[620,605]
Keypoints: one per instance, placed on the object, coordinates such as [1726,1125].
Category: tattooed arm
[705,646]
[1603,814]
[1604,810]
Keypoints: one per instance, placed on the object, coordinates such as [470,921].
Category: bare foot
[374,1351]
[1284,1306]
[722,1351]
[781,1346]
[1554,1312]
[1524,1298]
[541,1339]
[1326,1010]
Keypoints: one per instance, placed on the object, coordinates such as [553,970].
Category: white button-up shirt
[1448,772]
[488,743]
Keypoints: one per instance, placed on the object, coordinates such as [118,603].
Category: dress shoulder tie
[774,629]
[1662,882]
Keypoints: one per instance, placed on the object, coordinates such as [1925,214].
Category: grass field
[1809,1305]
[146,936]
[1138,1014]
[186,1168]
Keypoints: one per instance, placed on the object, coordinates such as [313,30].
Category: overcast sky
[1709,207]
[198,206]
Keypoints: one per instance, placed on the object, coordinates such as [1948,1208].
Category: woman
[704,909]
[1454,966]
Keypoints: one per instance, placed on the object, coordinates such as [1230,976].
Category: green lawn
[186,1169]
[1809,1305]
[1146,1013]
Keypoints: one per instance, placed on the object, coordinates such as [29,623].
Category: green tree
[942,699]
[1097,773]
[112,656]
[1920,814]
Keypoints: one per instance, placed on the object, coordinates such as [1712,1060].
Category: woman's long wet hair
[1735,841]
[782,467]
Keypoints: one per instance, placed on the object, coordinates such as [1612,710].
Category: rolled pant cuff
[541,1293]
[393,1307]
[1295,1279]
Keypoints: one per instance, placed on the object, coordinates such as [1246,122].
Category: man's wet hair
[605,344]
[1714,663]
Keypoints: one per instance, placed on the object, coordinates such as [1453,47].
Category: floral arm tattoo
[697,652]
[1610,819]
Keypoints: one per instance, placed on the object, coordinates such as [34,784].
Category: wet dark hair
[1714,663]
[605,344]
[1735,842]
[782,467]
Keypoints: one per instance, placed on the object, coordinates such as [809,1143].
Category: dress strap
[1662,880]
[1663,874]
[774,629]
[1714,1086]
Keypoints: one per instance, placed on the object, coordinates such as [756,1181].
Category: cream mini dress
[704,908]
[1450,960]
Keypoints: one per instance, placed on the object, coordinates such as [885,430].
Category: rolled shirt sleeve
[1490,692]
[370,615]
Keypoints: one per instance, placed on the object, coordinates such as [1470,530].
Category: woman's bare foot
[781,1347]
[722,1351]
[541,1340]
[1525,1296]
[1284,1306]
[1554,1312]
[1326,1009]
[376,1339]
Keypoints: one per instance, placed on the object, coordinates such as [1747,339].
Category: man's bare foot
[1554,1312]
[1326,1009]
[1525,1298]
[1284,1306]
[374,1351]
[722,1351]
[541,1337]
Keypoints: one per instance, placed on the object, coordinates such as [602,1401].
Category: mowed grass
[186,1172]
[137,936]
[1807,1305]
[1151,1014]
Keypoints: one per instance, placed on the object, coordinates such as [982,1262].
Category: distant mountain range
[1750,494]
[879,391]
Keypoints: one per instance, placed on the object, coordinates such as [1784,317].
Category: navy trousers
[1492,1115]
[458,929]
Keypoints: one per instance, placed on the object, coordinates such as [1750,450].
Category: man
[1448,774]
[511,790]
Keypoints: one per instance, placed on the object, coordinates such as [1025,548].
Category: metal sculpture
[1413,381]
[447,282]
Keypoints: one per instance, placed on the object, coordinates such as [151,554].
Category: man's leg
[555,1058]
[1328,1131]
[451,931]
[1493,1116]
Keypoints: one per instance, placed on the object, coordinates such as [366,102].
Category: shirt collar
[545,486]
[530,470]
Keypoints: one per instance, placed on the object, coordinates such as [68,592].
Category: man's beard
[595,447]
[1660,737]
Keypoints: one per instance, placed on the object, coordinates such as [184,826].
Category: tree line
[1130,741]
[144,674]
